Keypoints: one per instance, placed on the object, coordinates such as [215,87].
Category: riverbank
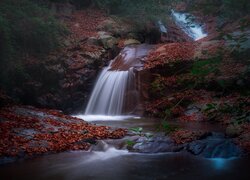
[190,82]
[27,132]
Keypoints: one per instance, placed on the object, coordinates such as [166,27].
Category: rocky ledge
[26,132]
[203,144]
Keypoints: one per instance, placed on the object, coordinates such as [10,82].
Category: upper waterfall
[192,29]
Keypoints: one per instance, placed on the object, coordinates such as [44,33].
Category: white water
[163,28]
[105,117]
[191,28]
[107,97]
[115,95]
[106,152]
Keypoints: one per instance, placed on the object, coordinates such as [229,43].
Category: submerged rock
[214,146]
[156,144]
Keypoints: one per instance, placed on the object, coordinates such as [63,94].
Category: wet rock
[40,144]
[196,148]
[100,146]
[156,144]
[195,112]
[215,146]
[192,109]
[27,133]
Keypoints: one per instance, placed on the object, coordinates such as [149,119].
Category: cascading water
[192,29]
[108,95]
[115,92]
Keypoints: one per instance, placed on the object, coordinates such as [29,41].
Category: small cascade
[116,90]
[108,95]
[192,29]
[162,27]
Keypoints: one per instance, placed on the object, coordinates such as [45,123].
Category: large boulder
[131,42]
[215,146]
[116,27]
[103,39]
[156,144]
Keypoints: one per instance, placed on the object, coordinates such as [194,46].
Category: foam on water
[105,117]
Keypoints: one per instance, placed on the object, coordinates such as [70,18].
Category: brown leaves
[54,132]
[158,106]
[84,24]
[171,52]
[185,136]
[118,133]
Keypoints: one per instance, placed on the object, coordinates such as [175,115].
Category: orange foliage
[84,24]
[54,132]
[186,136]
[171,52]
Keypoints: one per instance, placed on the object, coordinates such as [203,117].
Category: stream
[107,106]
[112,163]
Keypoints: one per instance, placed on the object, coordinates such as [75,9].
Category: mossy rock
[131,41]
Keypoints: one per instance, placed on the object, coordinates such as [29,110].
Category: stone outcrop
[26,132]
[65,79]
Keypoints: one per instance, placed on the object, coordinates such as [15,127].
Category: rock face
[65,79]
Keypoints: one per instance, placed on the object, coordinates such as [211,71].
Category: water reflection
[77,165]
[221,163]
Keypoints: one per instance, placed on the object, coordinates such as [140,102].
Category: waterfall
[115,95]
[108,95]
[185,22]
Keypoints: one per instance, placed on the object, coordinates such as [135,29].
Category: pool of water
[150,124]
[117,164]
[123,165]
